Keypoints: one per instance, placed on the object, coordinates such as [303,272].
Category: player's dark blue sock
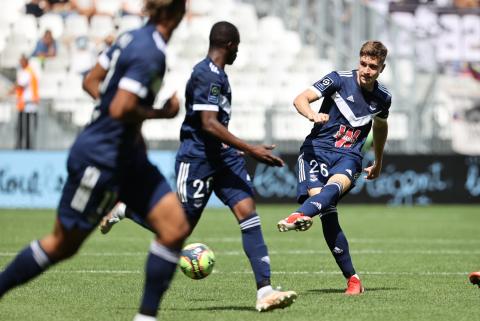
[29,263]
[255,248]
[337,242]
[159,270]
[328,196]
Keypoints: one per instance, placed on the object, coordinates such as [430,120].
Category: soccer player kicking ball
[209,160]
[109,159]
[330,158]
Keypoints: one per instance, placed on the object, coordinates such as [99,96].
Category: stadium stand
[277,59]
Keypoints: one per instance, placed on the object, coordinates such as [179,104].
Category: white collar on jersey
[159,42]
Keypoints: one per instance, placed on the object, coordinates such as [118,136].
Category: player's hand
[319,118]
[373,171]
[171,107]
[263,154]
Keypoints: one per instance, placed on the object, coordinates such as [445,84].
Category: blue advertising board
[34,179]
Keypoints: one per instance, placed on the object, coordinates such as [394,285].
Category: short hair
[374,49]
[156,10]
[222,33]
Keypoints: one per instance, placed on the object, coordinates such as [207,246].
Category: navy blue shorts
[196,180]
[315,167]
[91,190]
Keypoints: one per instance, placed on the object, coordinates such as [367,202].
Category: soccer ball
[197,261]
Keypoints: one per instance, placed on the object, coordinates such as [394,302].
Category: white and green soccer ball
[197,261]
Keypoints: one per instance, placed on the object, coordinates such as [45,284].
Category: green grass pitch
[413,262]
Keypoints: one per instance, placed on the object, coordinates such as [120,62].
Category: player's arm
[322,88]
[380,133]
[212,126]
[91,82]
[125,107]
[302,104]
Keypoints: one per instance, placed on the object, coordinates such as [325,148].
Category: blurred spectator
[35,7]
[84,7]
[26,89]
[59,6]
[84,55]
[108,42]
[46,46]
[132,7]
[466,4]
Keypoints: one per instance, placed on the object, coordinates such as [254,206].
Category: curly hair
[157,10]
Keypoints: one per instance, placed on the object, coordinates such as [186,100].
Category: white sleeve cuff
[316,91]
[133,86]
[197,107]
[104,61]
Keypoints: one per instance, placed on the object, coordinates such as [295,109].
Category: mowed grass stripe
[412,260]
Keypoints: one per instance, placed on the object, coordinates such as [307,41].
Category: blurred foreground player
[108,161]
[331,156]
[209,160]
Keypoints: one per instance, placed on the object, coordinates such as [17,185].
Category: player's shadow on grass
[220,308]
[342,290]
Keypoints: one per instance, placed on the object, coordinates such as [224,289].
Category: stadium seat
[49,84]
[200,7]
[289,125]
[128,23]
[449,46]
[11,11]
[248,123]
[100,27]
[6,110]
[52,22]
[26,25]
[471,31]
[76,26]
[109,7]
[82,112]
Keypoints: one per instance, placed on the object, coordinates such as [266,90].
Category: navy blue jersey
[351,111]
[208,89]
[135,63]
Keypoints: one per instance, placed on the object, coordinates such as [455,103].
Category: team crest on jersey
[214,93]
[346,137]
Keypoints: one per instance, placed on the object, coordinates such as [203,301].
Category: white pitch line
[291,252]
[352,240]
[321,272]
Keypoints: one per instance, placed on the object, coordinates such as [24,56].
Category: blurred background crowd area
[286,45]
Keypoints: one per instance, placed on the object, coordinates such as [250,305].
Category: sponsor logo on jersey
[313,178]
[214,93]
[346,136]
[350,98]
[349,171]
